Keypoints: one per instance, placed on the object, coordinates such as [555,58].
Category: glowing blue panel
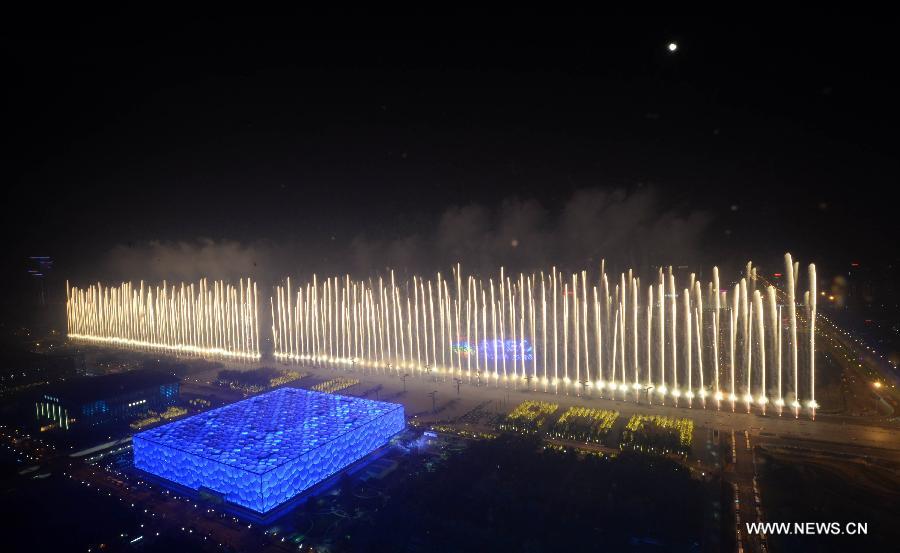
[511,350]
[262,451]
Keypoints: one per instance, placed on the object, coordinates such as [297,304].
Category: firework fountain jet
[792,317]
[763,399]
[715,330]
[554,342]
[812,340]
[537,334]
[218,320]
[775,326]
[732,330]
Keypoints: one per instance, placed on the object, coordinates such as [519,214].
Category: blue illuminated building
[97,400]
[262,451]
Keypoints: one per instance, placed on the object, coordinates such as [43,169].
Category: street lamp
[432,394]
[649,390]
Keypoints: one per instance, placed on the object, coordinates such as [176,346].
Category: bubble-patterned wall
[264,450]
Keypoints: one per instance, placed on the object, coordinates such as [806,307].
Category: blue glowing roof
[265,431]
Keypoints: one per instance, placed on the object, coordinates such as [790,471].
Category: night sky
[293,146]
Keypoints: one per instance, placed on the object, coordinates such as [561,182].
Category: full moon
[673,46]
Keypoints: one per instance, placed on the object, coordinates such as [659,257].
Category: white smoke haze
[627,228]
[155,261]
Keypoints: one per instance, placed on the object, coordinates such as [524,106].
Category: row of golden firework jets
[422,326]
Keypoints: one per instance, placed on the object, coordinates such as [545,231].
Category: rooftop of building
[265,431]
[92,388]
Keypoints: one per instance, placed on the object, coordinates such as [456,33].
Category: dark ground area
[506,494]
[57,513]
[831,490]
[509,494]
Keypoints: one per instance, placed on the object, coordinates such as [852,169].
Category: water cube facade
[264,450]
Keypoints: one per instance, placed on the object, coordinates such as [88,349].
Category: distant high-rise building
[38,267]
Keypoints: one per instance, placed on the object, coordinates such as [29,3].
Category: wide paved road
[454,399]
